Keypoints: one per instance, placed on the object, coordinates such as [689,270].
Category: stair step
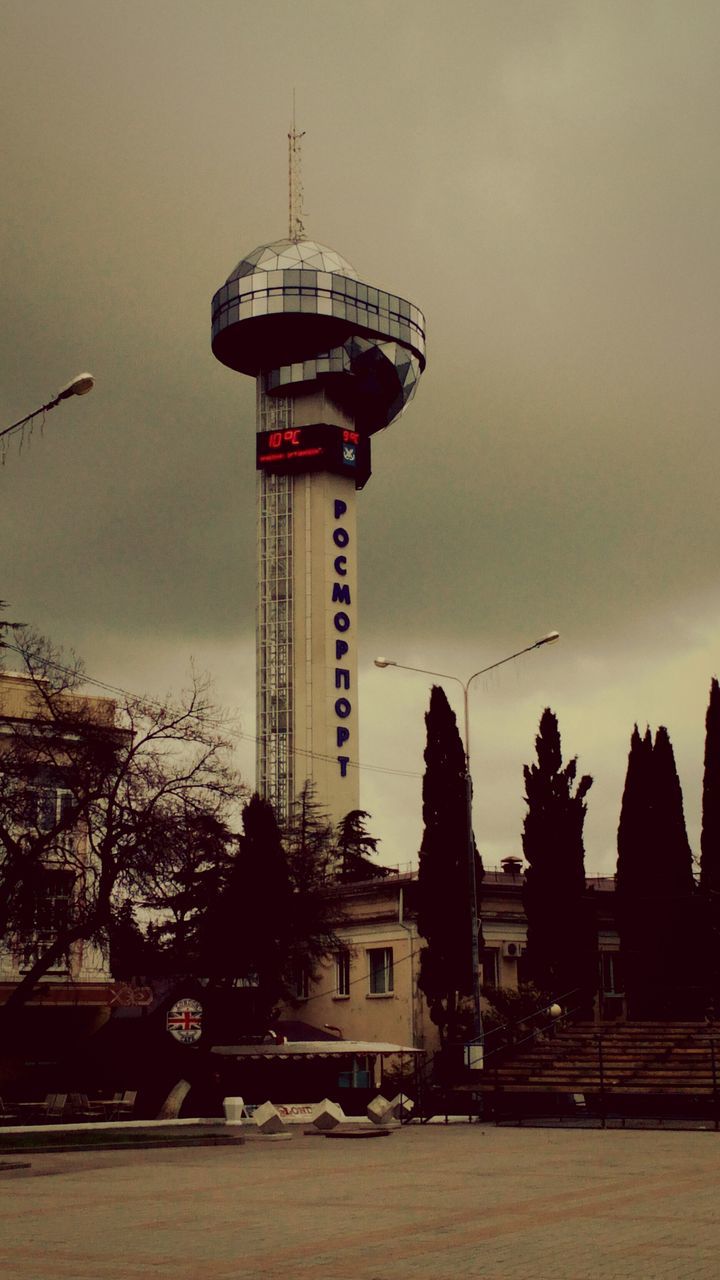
[638,1058]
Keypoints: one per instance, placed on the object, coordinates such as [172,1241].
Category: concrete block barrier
[327,1115]
[401,1106]
[268,1119]
[379,1110]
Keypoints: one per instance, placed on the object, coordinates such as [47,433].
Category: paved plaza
[437,1202]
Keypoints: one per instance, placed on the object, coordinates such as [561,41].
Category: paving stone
[455,1202]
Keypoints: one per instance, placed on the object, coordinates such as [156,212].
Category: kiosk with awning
[309,1070]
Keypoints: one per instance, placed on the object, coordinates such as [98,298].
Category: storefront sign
[295,1112]
[128,994]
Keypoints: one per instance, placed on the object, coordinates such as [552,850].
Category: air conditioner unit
[513,950]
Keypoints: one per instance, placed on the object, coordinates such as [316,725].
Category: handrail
[425,1072]
[505,1026]
[567,1013]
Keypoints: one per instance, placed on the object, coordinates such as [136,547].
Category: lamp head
[79,386]
[550,638]
[384,662]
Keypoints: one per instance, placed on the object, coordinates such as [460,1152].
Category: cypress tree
[710,846]
[444,907]
[656,899]
[680,967]
[260,888]
[635,866]
[634,852]
[561,955]
[668,820]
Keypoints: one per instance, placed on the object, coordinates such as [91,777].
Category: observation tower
[334,360]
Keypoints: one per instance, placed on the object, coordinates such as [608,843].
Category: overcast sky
[541,178]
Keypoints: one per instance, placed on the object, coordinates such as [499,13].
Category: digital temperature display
[317,447]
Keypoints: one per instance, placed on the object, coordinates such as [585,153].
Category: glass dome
[284,255]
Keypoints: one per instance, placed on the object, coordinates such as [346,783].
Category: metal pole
[601,1069]
[472,886]
[478,1038]
[714,1085]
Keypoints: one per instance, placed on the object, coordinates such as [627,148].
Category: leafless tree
[103,792]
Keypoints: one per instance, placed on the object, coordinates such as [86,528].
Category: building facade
[78,985]
[369,989]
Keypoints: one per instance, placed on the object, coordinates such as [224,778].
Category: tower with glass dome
[334,361]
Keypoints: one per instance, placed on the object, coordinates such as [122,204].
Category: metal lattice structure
[274,761]
[296,230]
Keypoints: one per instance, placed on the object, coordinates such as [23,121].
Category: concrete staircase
[672,1059]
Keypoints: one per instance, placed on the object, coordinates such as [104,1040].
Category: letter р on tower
[334,360]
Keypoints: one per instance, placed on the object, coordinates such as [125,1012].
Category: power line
[332,991]
[205,719]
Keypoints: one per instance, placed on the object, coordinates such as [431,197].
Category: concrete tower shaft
[307,589]
[334,361]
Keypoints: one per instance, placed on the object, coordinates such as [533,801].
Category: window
[53,908]
[342,973]
[489,961]
[302,983]
[52,913]
[381,971]
[358,1077]
[524,973]
[46,805]
[611,974]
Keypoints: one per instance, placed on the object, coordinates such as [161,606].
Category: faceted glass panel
[266,258]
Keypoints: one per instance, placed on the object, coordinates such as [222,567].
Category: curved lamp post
[475,1048]
[79,386]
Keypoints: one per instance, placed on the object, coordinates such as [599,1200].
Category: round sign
[184,1021]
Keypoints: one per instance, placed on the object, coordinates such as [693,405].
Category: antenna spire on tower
[297,230]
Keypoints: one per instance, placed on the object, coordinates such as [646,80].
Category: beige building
[81,980]
[369,990]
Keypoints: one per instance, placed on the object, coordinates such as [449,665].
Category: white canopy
[311,1049]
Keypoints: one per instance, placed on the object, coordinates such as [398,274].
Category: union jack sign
[184,1021]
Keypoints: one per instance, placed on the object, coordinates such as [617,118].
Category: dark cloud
[542,180]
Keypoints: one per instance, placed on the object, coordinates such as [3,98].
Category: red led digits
[314,446]
[276,438]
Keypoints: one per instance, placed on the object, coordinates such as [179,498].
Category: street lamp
[474,1059]
[79,386]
